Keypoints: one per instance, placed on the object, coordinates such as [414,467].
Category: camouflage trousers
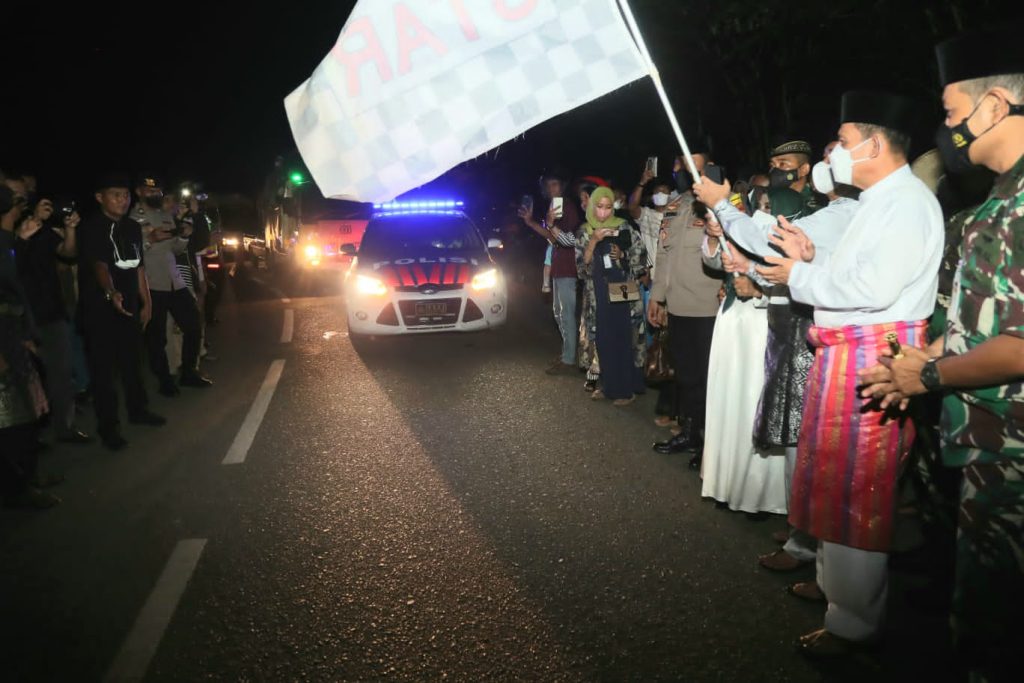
[989,589]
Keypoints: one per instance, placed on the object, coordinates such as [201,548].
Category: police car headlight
[230,242]
[312,252]
[485,280]
[370,285]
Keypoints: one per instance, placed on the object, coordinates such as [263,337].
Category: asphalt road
[430,508]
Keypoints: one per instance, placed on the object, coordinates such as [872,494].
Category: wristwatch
[109,294]
[930,375]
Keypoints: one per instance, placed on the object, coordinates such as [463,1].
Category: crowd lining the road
[81,302]
[845,341]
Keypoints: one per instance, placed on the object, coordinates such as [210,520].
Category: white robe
[734,471]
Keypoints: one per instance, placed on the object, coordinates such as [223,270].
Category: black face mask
[954,143]
[154,201]
[780,178]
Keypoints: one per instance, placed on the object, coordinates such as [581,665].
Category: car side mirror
[495,243]
[349,249]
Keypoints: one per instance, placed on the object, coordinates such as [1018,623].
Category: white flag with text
[413,88]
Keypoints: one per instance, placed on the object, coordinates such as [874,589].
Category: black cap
[980,54]
[109,180]
[881,109]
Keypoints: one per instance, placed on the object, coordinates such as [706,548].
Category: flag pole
[652,70]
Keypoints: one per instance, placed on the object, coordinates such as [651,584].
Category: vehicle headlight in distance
[487,279]
[370,285]
[312,252]
[230,241]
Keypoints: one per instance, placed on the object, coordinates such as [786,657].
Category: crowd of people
[82,301]
[808,312]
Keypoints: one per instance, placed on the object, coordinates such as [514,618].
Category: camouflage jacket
[987,425]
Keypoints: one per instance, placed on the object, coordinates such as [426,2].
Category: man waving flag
[413,88]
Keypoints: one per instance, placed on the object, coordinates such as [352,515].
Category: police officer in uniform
[164,241]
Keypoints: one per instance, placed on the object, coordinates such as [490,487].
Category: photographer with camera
[164,240]
[44,242]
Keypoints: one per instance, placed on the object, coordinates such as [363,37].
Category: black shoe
[195,380]
[147,418]
[113,442]
[75,437]
[168,388]
[695,462]
[686,441]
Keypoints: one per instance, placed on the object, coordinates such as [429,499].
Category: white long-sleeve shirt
[886,266]
[825,227]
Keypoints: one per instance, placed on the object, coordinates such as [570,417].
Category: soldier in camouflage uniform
[980,361]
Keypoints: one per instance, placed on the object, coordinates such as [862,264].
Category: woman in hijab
[609,252]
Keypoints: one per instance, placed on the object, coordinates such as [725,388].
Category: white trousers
[800,545]
[856,583]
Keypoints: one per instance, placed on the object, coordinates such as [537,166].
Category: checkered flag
[414,88]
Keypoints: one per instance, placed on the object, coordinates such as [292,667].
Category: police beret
[980,54]
[792,147]
[881,109]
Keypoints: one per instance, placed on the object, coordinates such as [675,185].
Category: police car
[423,267]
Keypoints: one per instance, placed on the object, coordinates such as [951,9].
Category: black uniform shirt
[104,240]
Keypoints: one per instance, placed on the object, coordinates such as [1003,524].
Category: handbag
[623,291]
[658,368]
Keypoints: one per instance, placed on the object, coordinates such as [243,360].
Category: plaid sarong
[850,453]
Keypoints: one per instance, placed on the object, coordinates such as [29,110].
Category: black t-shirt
[37,268]
[104,240]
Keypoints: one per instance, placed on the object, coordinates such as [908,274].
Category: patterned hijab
[593,223]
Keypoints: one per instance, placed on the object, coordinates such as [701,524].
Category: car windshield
[421,234]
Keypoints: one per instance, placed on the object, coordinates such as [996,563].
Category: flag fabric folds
[415,87]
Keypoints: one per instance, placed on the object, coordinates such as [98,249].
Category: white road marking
[243,440]
[289,326]
[148,630]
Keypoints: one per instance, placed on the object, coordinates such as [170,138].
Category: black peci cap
[109,180]
[980,54]
[881,109]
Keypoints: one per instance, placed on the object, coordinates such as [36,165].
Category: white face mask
[119,261]
[617,205]
[842,162]
[660,198]
[821,178]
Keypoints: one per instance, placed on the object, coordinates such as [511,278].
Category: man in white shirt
[880,281]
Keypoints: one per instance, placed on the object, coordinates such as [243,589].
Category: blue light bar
[419,204]
[417,212]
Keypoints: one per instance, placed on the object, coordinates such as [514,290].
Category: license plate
[431,309]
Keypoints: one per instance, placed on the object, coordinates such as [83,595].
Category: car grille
[423,312]
[429,289]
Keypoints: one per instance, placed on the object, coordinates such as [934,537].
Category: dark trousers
[55,348]
[690,343]
[113,346]
[18,458]
[182,307]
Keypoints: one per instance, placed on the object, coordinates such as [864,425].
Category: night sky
[194,90]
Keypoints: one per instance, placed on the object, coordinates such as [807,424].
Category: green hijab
[592,223]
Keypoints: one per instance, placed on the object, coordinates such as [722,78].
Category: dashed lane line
[288,329]
[243,440]
[142,641]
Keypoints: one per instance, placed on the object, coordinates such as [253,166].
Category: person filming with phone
[561,215]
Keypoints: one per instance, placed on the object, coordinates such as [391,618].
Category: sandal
[597,395]
[806,590]
[664,421]
[624,401]
[781,561]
